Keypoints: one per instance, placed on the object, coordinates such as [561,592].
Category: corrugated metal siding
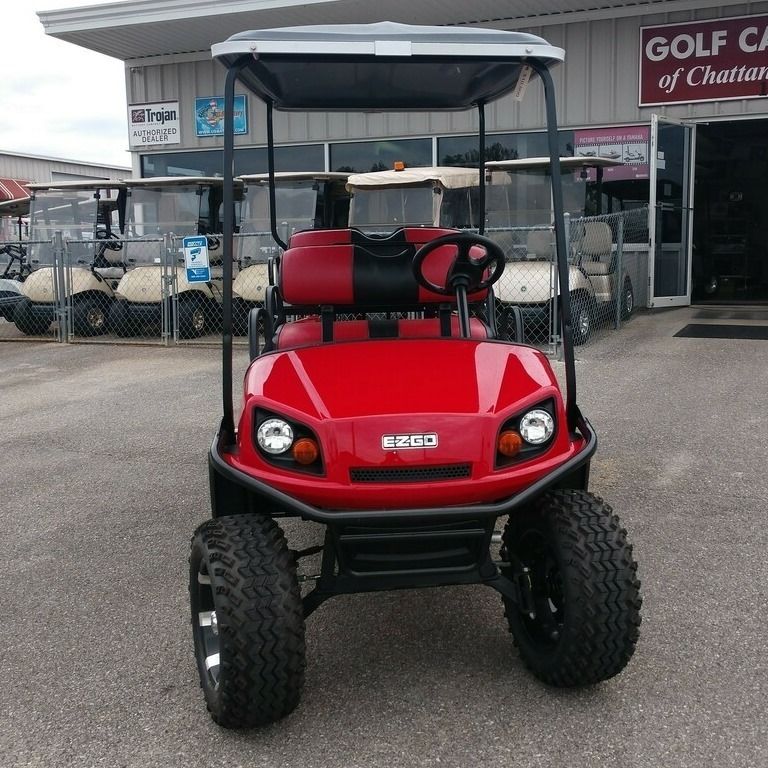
[598,85]
[43,169]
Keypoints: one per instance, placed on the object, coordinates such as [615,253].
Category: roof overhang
[146,28]
[11,189]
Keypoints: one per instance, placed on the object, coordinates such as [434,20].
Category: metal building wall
[32,168]
[601,72]
[597,86]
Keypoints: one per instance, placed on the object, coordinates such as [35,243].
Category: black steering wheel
[108,241]
[465,271]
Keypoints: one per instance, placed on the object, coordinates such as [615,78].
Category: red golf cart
[384,406]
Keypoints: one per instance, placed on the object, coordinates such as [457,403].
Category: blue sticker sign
[209,115]
[196,259]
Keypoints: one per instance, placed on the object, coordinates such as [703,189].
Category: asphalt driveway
[104,480]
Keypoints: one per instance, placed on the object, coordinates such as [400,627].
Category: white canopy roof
[177,181]
[450,177]
[566,163]
[263,178]
[75,184]
[383,66]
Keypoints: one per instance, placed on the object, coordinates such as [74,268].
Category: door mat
[715,331]
[731,313]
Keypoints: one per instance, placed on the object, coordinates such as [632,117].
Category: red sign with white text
[713,60]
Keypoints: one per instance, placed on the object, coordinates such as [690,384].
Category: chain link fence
[32,284]
[607,277]
[136,289]
[254,252]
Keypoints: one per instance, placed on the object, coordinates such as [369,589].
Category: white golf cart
[13,255]
[519,208]
[175,207]
[89,216]
[303,200]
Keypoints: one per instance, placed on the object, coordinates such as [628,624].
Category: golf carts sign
[196,259]
[717,60]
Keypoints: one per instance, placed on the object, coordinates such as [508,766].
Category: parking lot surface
[105,478]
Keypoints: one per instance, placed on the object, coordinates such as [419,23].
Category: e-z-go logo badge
[421,440]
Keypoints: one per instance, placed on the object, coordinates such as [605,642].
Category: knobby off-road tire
[250,655]
[584,586]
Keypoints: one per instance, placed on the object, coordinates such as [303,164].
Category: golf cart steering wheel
[108,241]
[465,270]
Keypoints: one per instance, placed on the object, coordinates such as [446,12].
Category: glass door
[671,211]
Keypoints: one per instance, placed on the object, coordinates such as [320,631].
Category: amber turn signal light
[509,443]
[305,451]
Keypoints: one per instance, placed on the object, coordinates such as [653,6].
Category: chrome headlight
[274,436]
[537,426]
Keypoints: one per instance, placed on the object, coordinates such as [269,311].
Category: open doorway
[730,225]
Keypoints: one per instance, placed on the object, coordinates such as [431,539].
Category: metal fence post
[619,271]
[556,288]
[60,288]
[168,293]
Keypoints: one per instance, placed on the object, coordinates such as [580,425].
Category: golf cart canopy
[76,186]
[287,176]
[176,181]
[538,163]
[384,66]
[448,177]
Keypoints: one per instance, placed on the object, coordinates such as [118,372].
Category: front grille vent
[409,474]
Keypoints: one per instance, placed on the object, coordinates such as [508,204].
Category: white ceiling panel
[144,28]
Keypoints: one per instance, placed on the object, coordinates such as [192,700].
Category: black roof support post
[481,165]
[271,169]
[571,409]
[227,428]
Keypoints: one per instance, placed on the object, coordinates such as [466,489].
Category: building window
[304,157]
[463,150]
[365,156]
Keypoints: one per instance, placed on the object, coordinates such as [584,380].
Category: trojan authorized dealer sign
[704,61]
[153,124]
